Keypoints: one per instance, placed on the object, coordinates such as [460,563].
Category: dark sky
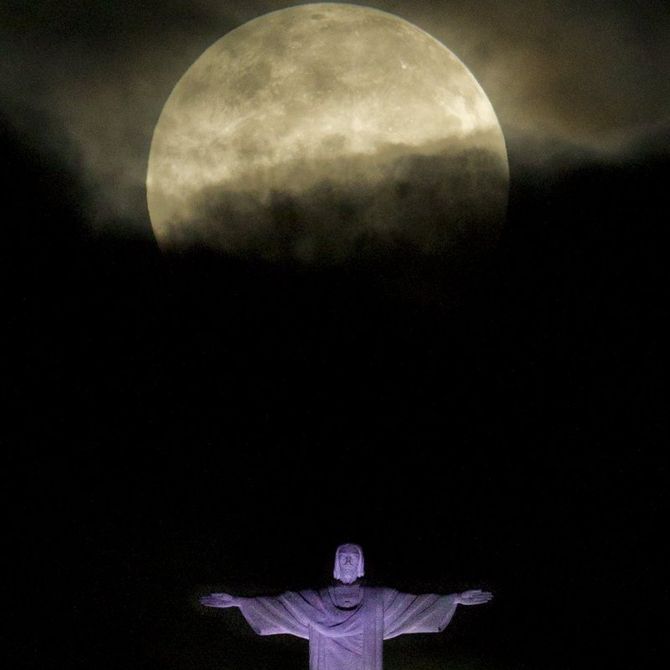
[176,425]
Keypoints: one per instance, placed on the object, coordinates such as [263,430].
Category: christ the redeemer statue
[347,622]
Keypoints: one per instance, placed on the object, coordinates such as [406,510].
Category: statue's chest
[347,597]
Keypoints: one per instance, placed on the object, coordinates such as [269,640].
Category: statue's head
[349,564]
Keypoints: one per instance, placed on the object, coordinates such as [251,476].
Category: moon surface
[327,132]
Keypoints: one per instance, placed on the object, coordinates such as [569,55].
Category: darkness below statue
[347,622]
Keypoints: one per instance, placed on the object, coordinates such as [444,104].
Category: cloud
[429,199]
[87,80]
[587,74]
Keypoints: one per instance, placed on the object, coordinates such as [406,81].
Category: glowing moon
[324,132]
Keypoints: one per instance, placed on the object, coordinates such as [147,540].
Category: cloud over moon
[86,82]
[429,200]
[323,130]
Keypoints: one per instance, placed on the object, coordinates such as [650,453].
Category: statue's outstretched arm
[474,597]
[219,600]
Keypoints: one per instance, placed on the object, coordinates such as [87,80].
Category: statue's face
[348,562]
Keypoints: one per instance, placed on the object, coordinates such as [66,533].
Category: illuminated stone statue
[347,622]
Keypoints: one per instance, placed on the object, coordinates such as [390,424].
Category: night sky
[195,423]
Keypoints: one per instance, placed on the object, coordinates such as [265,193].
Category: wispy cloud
[87,80]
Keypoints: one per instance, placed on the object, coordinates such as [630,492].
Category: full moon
[327,132]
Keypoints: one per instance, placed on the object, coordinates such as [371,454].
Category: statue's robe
[347,639]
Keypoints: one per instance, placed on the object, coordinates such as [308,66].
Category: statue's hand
[474,597]
[219,600]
